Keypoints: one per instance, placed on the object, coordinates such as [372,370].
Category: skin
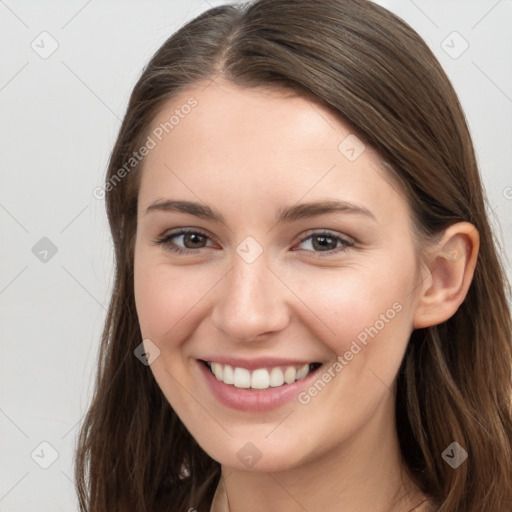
[247,153]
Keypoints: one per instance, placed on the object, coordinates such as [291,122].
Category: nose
[252,302]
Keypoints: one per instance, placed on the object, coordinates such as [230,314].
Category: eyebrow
[285,214]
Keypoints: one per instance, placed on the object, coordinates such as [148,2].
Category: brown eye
[325,242]
[193,240]
[183,241]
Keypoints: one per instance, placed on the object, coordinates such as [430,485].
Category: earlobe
[450,272]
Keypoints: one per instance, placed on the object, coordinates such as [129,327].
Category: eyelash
[165,241]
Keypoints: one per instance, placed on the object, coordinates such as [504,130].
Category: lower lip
[253,400]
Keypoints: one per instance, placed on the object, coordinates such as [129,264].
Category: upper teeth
[260,378]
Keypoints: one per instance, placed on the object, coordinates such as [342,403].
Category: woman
[309,311]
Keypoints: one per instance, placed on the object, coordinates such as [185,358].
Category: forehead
[269,116]
[217,141]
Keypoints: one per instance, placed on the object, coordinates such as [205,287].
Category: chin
[258,455]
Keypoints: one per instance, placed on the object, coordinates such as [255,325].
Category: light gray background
[60,116]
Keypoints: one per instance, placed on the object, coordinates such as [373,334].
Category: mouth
[260,378]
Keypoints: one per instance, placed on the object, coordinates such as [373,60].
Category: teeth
[276,377]
[290,374]
[228,375]
[260,378]
[217,370]
[242,378]
[302,372]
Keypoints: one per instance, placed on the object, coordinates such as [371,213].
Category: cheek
[362,305]
[167,297]
[370,315]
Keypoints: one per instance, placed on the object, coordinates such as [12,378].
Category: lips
[260,378]
[261,384]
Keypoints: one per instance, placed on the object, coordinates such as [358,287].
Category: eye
[190,239]
[325,242]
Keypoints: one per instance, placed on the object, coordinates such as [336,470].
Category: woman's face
[296,283]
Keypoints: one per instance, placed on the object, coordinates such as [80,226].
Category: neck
[364,473]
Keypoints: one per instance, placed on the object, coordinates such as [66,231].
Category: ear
[451,265]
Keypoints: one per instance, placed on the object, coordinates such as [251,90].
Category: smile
[260,378]
[256,385]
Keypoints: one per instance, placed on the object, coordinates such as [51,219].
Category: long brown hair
[377,74]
